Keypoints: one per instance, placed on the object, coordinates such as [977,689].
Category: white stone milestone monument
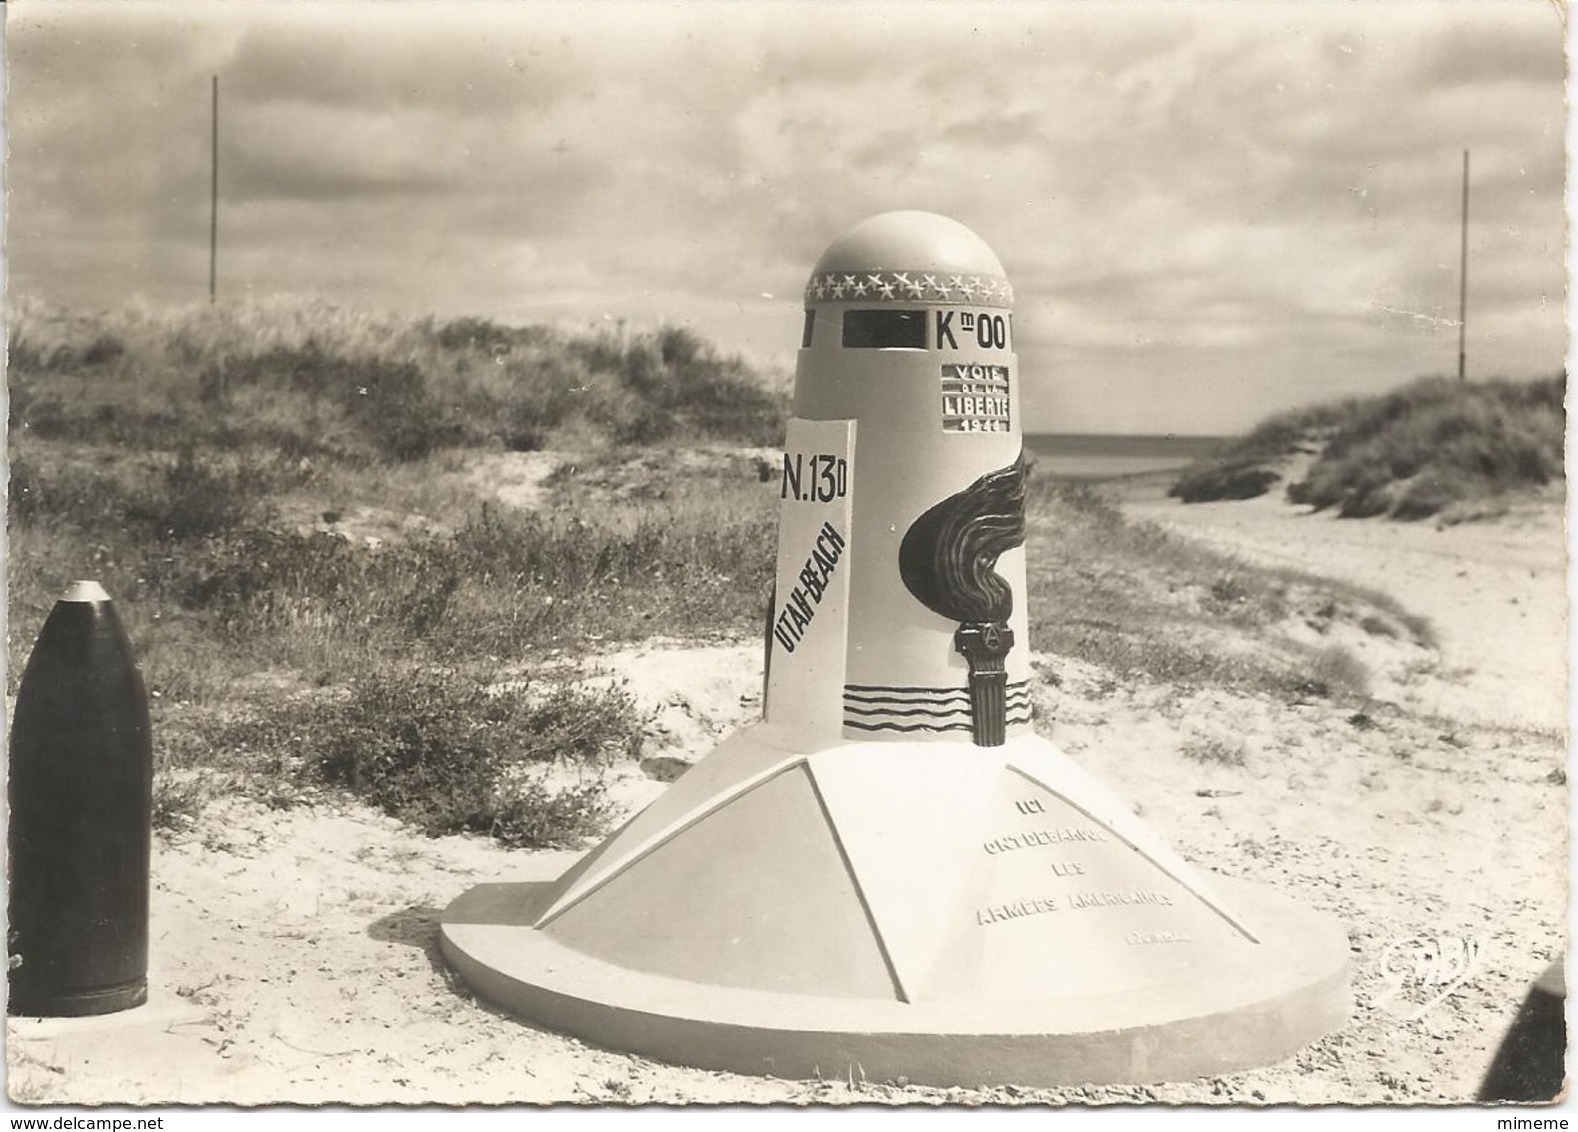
[892,874]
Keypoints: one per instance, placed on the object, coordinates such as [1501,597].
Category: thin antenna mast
[1462,287]
[213,202]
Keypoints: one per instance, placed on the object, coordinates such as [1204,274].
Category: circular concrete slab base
[1294,991]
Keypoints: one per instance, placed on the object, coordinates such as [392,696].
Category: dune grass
[1146,605]
[1408,454]
[1414,452]
[315,381]
[158,450]
[213,594]
[171,456]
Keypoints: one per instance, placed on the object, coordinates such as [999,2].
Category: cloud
[1496,43]
[1214,190]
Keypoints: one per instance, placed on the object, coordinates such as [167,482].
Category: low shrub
[197,498]
[503,584]
[193,497]
[437,748]
[682,386]
[1332,671]
[450,755]
[100,348]
[477,334]
[1215,752]
[180,796]
[1226,480]
[388,399]
[73,497]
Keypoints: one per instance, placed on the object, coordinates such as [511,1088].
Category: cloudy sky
[1209,211]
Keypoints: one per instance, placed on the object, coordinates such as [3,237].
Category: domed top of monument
[910,257]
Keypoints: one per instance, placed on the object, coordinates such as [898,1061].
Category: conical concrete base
[949,913]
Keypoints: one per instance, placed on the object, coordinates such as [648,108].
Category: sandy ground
[294,952]
[1495,591]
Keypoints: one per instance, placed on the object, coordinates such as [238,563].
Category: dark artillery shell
[80,790]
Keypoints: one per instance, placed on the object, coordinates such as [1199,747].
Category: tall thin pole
[1462,285]
[213,201]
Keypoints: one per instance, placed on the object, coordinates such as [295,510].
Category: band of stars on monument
[912,286]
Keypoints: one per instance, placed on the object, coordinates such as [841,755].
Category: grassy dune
[172,454]
[311,380]
[204,465]
[1421,450]
[1145,605]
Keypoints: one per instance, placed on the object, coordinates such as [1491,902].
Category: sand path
[1495,592]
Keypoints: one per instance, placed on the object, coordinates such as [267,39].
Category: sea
[1093,457]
